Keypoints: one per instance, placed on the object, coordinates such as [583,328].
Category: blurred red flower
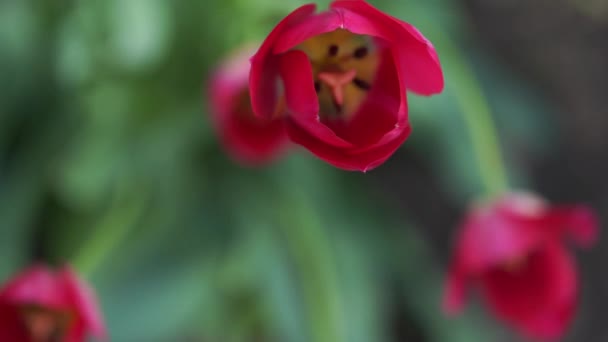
[249,139]
[512,249]
[344,76]
[43,305]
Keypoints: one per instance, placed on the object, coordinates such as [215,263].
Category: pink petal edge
[264,70]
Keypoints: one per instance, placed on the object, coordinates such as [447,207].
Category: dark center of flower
[344,66]
[515,265]
[45,325]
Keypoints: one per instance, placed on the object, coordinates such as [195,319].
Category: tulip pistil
[336,81]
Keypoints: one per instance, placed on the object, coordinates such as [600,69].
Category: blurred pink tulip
[248,139]
[512,250]
[44,305]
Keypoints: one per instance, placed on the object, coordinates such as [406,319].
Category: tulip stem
[478,120]
[309,246]
[111,230]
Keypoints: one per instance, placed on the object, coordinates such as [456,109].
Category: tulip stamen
[361,84]
[360,52]
[317,86]
[333,50]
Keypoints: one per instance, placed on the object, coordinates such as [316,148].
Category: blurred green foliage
[107,160]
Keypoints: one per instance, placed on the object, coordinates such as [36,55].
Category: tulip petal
[315,130]
[352,159]
[540,297]
[301,98]
[254,141]
[84,300]
[377,115]
[249,139]
[264,71]
[424,75]
[300,94]
[577,221]
[229,80]
[36,285]
[418,63]
[314,25]
[489,238]
[11,326]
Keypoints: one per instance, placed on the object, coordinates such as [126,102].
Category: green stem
[311,250]
[111,230]
[478,119]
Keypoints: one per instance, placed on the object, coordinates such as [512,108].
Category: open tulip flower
[512,250]
[248,139]
[343,75]
[42,305]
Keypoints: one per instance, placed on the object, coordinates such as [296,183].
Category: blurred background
[108,161]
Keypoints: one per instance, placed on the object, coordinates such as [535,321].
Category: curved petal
[580,222]
[301,98]
[264,71]
[424,75]
[577,221]
[77,333]
[419,68]
[228,81]
[314,25]
[37,285]
[263,87]
[314,128]
[378,114]
[300,94]
[254,141]
[539,297]
[489,238]
[249,139]
[84,301]
[352,159]
[11,326]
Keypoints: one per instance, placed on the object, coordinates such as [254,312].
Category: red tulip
[513,251]
[42,305]
[247,138]
[344,74]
